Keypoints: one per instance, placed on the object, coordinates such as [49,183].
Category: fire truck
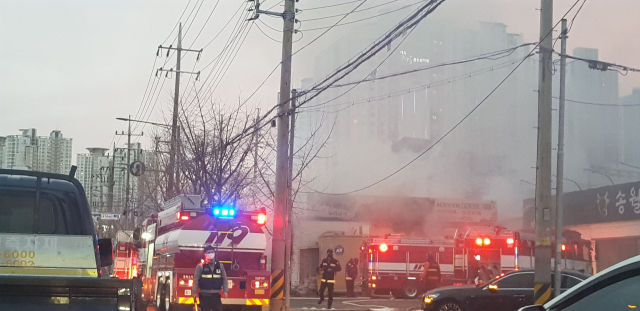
[394,263]
[174,241]
[125,261]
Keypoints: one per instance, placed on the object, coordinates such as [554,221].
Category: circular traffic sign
[339,250]
[137,168]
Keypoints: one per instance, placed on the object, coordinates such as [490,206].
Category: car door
[618,292]
[515,290]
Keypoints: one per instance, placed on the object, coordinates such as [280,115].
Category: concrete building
[37,153]
[94,169]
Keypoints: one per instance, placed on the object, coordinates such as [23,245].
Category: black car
[507,293]
[615,288]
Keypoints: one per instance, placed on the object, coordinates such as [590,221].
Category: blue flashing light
[223,212]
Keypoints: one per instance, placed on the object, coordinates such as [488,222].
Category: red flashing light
[487,241]
[262,219]
[564,247]
[479,241]
[383,247]
[509,241]
[182,216]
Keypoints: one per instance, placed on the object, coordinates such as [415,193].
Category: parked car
[615,288]
[506,293]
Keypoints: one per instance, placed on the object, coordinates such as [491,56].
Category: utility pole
[289,233]
[128,217]
[171,171]
[281,189]
[560,161]
[111,180]
[542,278]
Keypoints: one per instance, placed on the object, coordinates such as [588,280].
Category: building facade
[28,151]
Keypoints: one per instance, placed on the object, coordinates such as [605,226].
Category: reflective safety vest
[329,269]
[211,279]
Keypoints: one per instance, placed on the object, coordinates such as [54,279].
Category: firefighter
[351,275]
[431,275]
[210,278]
[328,267]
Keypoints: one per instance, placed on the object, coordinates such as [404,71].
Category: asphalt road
[351,304]
[364,303]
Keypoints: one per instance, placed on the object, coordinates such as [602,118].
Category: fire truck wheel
[449,306]
[410,290]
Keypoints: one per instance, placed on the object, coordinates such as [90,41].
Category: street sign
[137,168]
[339,250]
[109,216]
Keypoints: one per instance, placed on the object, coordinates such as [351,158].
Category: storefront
[608,216]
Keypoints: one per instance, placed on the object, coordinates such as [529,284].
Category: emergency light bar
[223,212]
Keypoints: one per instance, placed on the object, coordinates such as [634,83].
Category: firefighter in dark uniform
[210,278]
[351,275]
[328,268]
[431,275]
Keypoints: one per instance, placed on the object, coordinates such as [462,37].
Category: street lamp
[147,122]
[596,172]
[573,181]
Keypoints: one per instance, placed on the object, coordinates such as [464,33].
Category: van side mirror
[106,252]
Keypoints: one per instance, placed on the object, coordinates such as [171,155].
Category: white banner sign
[109,216]
[451,210]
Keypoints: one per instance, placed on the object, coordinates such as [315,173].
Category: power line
[266,35]
[331,6]
[600,104]
[176,26]
[456,125]
[490,56]
[408,23]
[600,65]
[322,34]
[230,40]
[365,9]
[205,24]
[413,89]
[366,18]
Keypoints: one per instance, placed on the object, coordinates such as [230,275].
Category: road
[364,303]
[352,304]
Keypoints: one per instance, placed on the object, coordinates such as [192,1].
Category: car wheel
[410,290]
[449,306]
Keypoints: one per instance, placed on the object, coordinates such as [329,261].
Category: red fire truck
[125,259]
[175,240]
[395,264]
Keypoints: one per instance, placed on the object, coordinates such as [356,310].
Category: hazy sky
[77,65]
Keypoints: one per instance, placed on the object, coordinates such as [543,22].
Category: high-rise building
[37,153]
[94,171]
